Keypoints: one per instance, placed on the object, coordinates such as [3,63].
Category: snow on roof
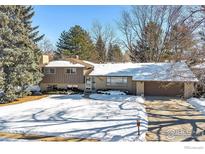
[62,63]
[88,62]
[199,66]
[147,71]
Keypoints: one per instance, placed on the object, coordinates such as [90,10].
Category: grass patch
[43,138]
[24,99]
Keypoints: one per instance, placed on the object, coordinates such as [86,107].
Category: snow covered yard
[199,104]
[103,117]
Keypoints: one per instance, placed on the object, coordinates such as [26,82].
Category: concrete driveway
[173,119]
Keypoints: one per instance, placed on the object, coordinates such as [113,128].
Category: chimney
[44,59]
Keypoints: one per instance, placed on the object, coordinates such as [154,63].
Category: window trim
[110,83]
[65,71]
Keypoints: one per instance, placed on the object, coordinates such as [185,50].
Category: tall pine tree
[110,54]
[27,15]
[114,54]
[100,49]
[34,36]
[19,55]
[117,54]
[76,41]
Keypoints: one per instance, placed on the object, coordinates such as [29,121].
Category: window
[116,81]
[49,70]
[70,70]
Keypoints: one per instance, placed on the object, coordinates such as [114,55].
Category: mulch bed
[24,99]
[32,137]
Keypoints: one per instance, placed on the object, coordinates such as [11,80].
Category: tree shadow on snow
[186,124]
[61,118]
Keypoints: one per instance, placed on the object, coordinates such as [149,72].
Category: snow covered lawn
[103,117]
[199,104]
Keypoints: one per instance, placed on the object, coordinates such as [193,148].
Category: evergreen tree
[110,53]
[100,49]
[19,55]
[117,54]
[27,15]
[34,38]
[114,54]
[76,41]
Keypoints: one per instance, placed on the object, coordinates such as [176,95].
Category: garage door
[163,89]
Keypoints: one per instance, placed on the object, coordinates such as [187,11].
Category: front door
[93,83]
[88,83]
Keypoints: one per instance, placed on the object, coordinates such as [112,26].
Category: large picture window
[49,70]
[70,70]
[116,81]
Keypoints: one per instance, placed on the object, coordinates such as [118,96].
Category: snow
[1,93]
[34,88]
[62,63]
[2,139]
[118,98]
[112,92]
[103,117]
[199,104]
[199,66]
[31,88]
[88,62]
[146,71]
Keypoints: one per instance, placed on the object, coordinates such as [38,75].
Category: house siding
[148,88]
[188,89]
[139,88]
[61,77]
[100,83]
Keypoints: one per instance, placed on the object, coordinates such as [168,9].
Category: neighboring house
[150,79]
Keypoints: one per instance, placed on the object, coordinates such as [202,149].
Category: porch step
[87,94]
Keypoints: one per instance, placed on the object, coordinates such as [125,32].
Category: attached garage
[149,79]
[153,88]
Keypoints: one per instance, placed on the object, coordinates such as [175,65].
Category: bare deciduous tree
[106,32]
[176,25]
[46,46]
[106,35]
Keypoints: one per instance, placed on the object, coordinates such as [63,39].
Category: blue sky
[52,20]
